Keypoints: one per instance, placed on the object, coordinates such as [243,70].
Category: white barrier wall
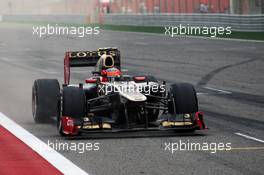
[254,23]
[251,23]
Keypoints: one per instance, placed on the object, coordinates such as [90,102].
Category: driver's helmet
[111,73]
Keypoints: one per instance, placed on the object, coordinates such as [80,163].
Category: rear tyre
[45,98]
[184,99]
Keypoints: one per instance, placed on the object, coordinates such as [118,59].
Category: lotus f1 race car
[111,100]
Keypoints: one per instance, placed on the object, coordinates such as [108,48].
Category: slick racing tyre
[184,99]
[73,105]
[45,98]
[73,102]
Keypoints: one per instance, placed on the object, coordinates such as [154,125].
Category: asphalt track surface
[228,76]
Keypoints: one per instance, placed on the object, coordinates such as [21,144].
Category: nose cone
[134,96]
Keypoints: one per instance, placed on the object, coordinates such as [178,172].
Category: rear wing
[87,59]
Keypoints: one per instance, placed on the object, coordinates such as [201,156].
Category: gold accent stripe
[167,124]
[91,127]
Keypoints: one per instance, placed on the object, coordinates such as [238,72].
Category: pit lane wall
[244,23]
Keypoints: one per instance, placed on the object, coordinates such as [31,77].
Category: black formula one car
[111,101]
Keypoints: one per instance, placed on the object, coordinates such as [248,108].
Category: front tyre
[73,102]
[73,105]
[184,99]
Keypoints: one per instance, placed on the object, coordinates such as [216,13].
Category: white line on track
[249,137]
[218,90]
[57,160]
[27,49]
[46,71]
[9,60]
[5,59]
[202,93]
[141,43]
